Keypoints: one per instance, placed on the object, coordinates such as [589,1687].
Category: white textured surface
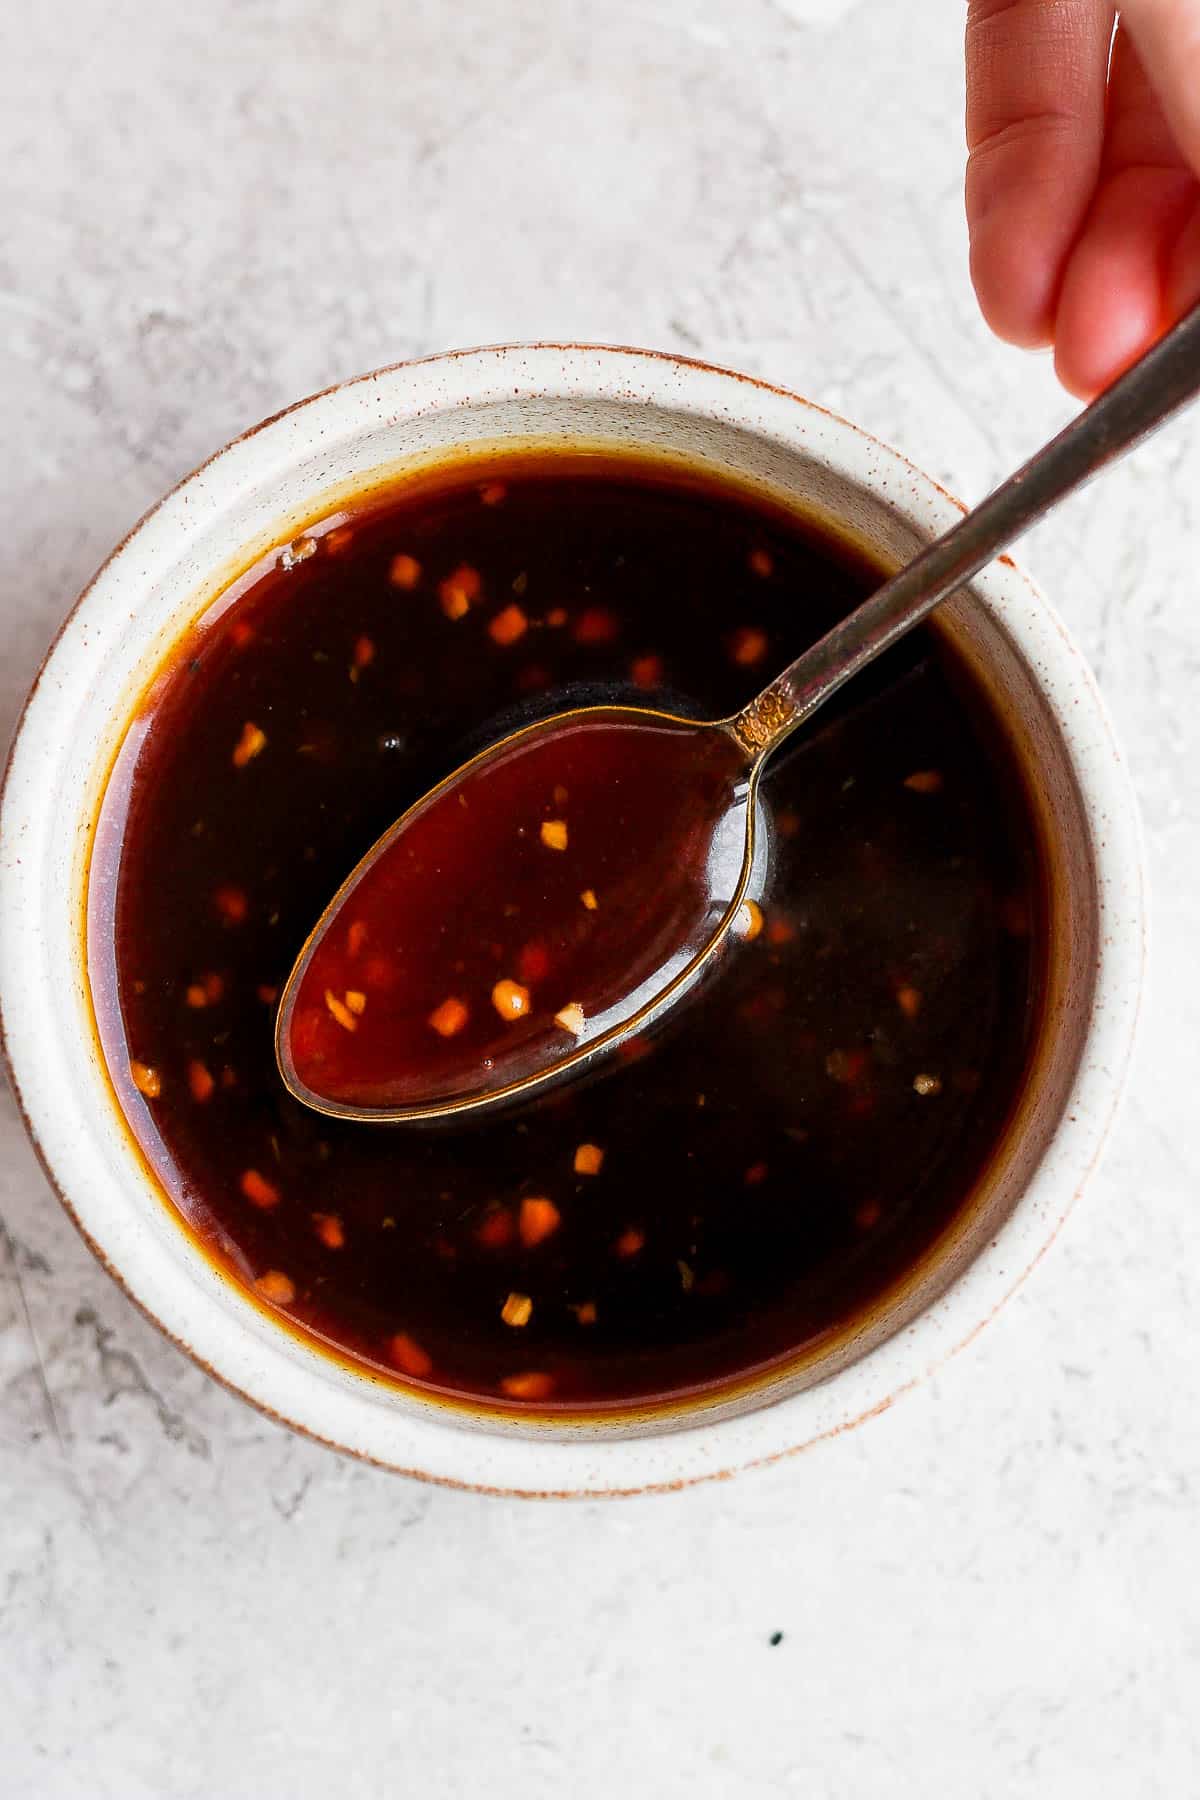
[991,1590]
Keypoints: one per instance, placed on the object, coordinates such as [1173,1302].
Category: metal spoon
[1154,388]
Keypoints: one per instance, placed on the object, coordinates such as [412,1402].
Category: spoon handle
[1137,403]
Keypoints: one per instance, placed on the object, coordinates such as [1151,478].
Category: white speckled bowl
[265,488]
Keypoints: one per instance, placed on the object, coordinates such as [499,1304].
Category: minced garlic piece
[517,1309]
[510,999]
[571,1018]
[146,1080]
[589,1159]
[449,1018]
[252,741]
[589,899]
[340,1011]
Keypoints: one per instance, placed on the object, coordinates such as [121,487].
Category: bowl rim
[441,1447]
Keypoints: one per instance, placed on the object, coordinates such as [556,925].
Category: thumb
[1166,34]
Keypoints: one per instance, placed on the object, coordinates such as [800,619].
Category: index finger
[1036,76]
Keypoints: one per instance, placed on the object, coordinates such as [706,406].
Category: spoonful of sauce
[559,892]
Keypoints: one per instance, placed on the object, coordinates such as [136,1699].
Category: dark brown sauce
[733,1189]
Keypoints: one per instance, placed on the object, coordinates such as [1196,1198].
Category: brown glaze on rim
[730,1390]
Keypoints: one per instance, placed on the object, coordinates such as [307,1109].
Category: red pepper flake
[554,834]
[589,1159]
[762,563]
[241,633]
[559,794]
[356,937]
[908,999]
[631,1240]
[925,781]
[493,493]
[406,1354]
[258,1190]
[517,1310]
[330,1230]
[539,1219]
[508,625]
[534,679]
[585,1312]
[556,617]
[748,645]
[787,822]
[596,625]
[231,904]
[868,1214]
[251,743]
[755,1175]
[380,973]
[533,963]
[531,1384]
[510,999]
[364,655]
[780,931]
[276,1287]
[647,671]
[195,995]
[228,1077]
[460,589]
[214,987]
[200,1082]
[449,1018]
[405,572]
[266,993]
[146,1080]
[495,1231]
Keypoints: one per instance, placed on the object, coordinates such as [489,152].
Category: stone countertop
[989,1591]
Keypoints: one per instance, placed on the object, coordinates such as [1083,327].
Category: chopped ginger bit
[266,993]
[196,995]
[258,1190]
[508,625]
[200,1081]
[554,834]
[925,781]
[556,617]
[517,1309]
[409,1357]
[146,1080]
[908,999]
[449,1018]
[492,493]
[585,1312]
[596,625]
[364,653]
[755,1174]
[589,1159]
[330,1230]
[539,1218]
[748,921]
[340,1011]
[337,540]
[248,745]
[647,671]
[927,1084]
[532,1384]
[454,602]
[276,1287]
[495,1231]
[356,937]
[510,999]
[748,646]
[631,1240]
[571,1018]
[761,563]
[232,904]
[589,899]
[356,1001]
[405,571]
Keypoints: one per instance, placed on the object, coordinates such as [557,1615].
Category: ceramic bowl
[263,490]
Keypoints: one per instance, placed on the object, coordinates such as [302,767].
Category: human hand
[1083,180]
